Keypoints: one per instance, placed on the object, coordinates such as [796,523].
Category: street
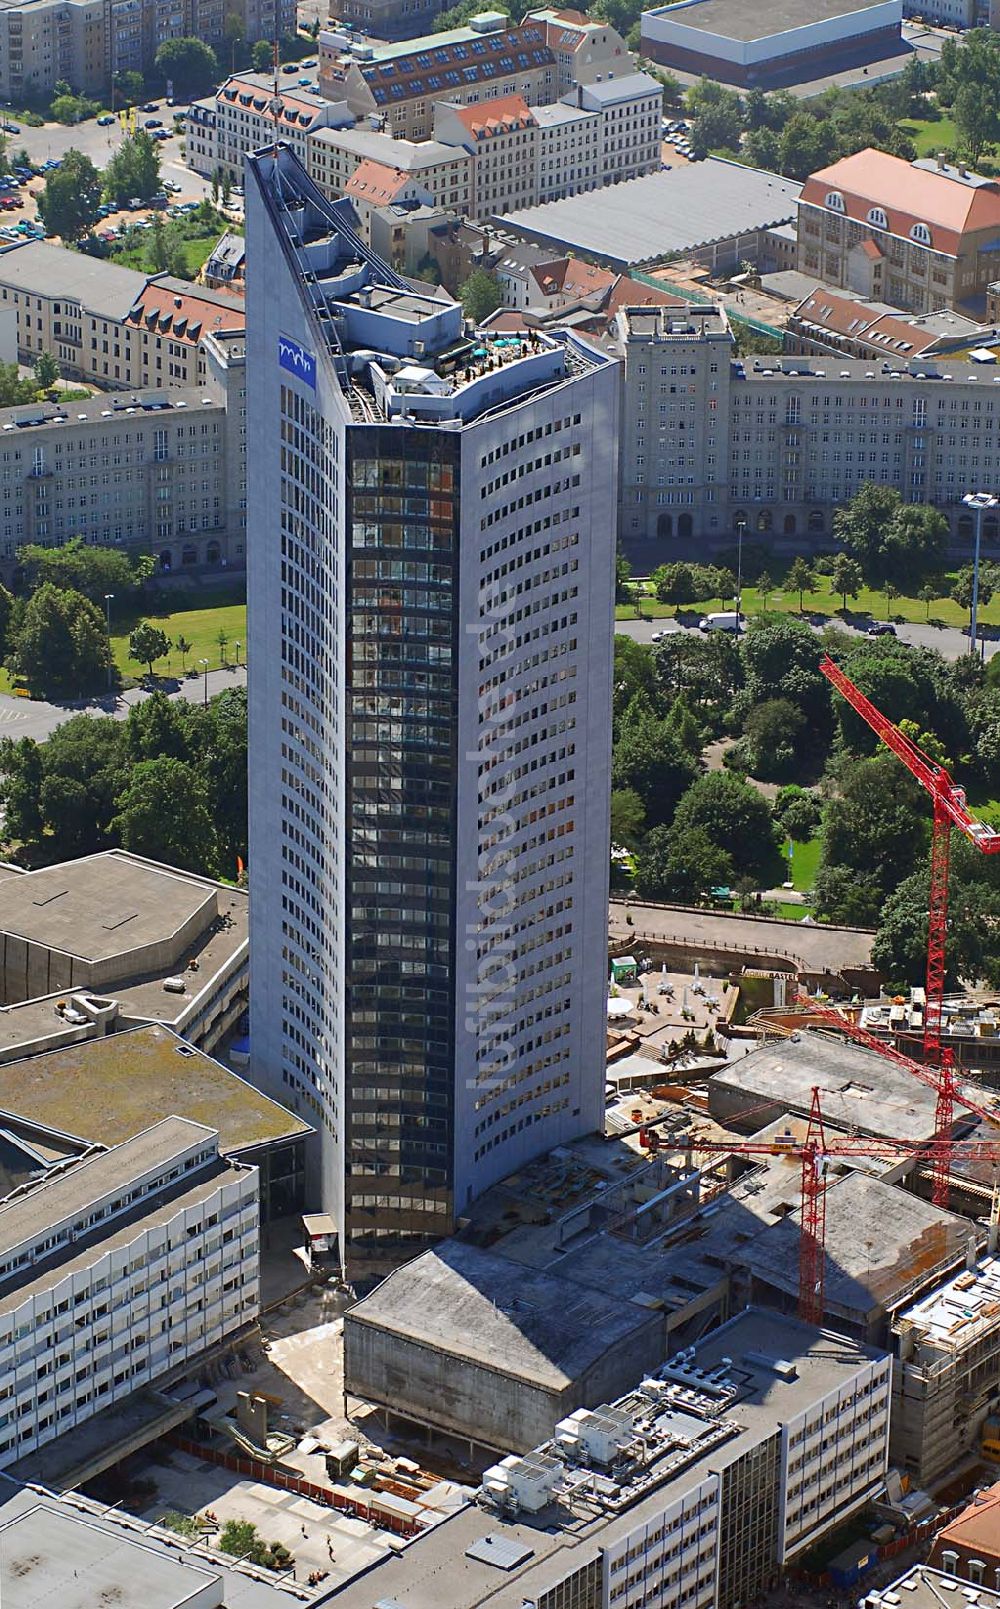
[54,140]
[951,641]
[24,717]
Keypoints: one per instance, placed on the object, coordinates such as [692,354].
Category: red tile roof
[376,182]
[907,194]
[186,315]
[978,1527]
[501,116]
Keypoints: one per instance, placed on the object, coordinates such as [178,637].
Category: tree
[189,64]
[779,655]
[706,670]
[6,612]
[183,647]
[736,819]
[674,583]
[796,812]
[59,643]
[129,87]
[46,371]
[875,828]
[20,782]
[222,638]
[762,149]
[222,756]
[717,117]
[681,864]
[479,295]
[976,119]
[846,578]
[627,817]
[94,571]
[134,170]
[84,764]
[227,188]
[12,388]
[261,56]
[891,591]
[649,759]
[962,588]
[765,586]
[899,949]
[69,204]
[807,144]
[240,1538]
[159,727]
[915,542]
[773,729]
[163,812]
[801,578]
[147,643]
[928,594]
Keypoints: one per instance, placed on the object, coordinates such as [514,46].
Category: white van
[728,620]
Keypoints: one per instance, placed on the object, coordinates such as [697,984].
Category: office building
[431,569]
[116,1271]
[698,1487]
[784,44]
[919,235]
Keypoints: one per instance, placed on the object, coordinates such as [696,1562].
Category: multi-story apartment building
[502,137]
[119,1271]
[333,155]
[86,42]
[711,443]
[697,1488]
[570,151]
[631,110]
[158,471]
[399,84]
[918,235]
[585,48]
[245,114]
[430,624]
[112,325]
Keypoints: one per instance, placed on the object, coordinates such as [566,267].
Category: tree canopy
[69,204]
[85,568]
[134,169]
[191,66]
[58,641]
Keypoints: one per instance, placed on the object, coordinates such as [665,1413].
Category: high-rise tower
[431,536]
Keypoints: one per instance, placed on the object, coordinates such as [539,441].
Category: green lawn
[805,863]
[199,625]
[868,603]
[931,135]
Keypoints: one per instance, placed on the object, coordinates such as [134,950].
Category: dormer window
[921,233]
[877,218]
[834,200]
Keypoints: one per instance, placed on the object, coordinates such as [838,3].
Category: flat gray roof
[104,905]
[859,1089]
[642,220]
[735,19]
[22,418]
[520,1322]
[609,91]
[409,155]
[137,1553]
[881,1244]
[48,1556]
[46,270]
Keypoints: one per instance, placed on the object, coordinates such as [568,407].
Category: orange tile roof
[501,116]
[632,293]
[376,182]
[871,250]
[186,315]
[908,195]
[978,1526]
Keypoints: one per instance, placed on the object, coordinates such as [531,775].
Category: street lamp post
[741,526]
[205,699]
[109,599]
[979,502]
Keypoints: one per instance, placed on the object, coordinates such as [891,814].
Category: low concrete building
[698,1487]
[112,940]
[477,1346]
[784,43]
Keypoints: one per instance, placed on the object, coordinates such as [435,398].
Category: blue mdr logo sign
[297,360]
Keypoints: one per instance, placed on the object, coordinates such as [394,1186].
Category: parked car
[161,134]
[105,121]
[11,128]
[881,628]
[151,106]
[153,122]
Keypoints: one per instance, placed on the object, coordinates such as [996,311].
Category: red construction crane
[814,1151]
[949,811]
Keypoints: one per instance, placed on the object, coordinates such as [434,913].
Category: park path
[35,718]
